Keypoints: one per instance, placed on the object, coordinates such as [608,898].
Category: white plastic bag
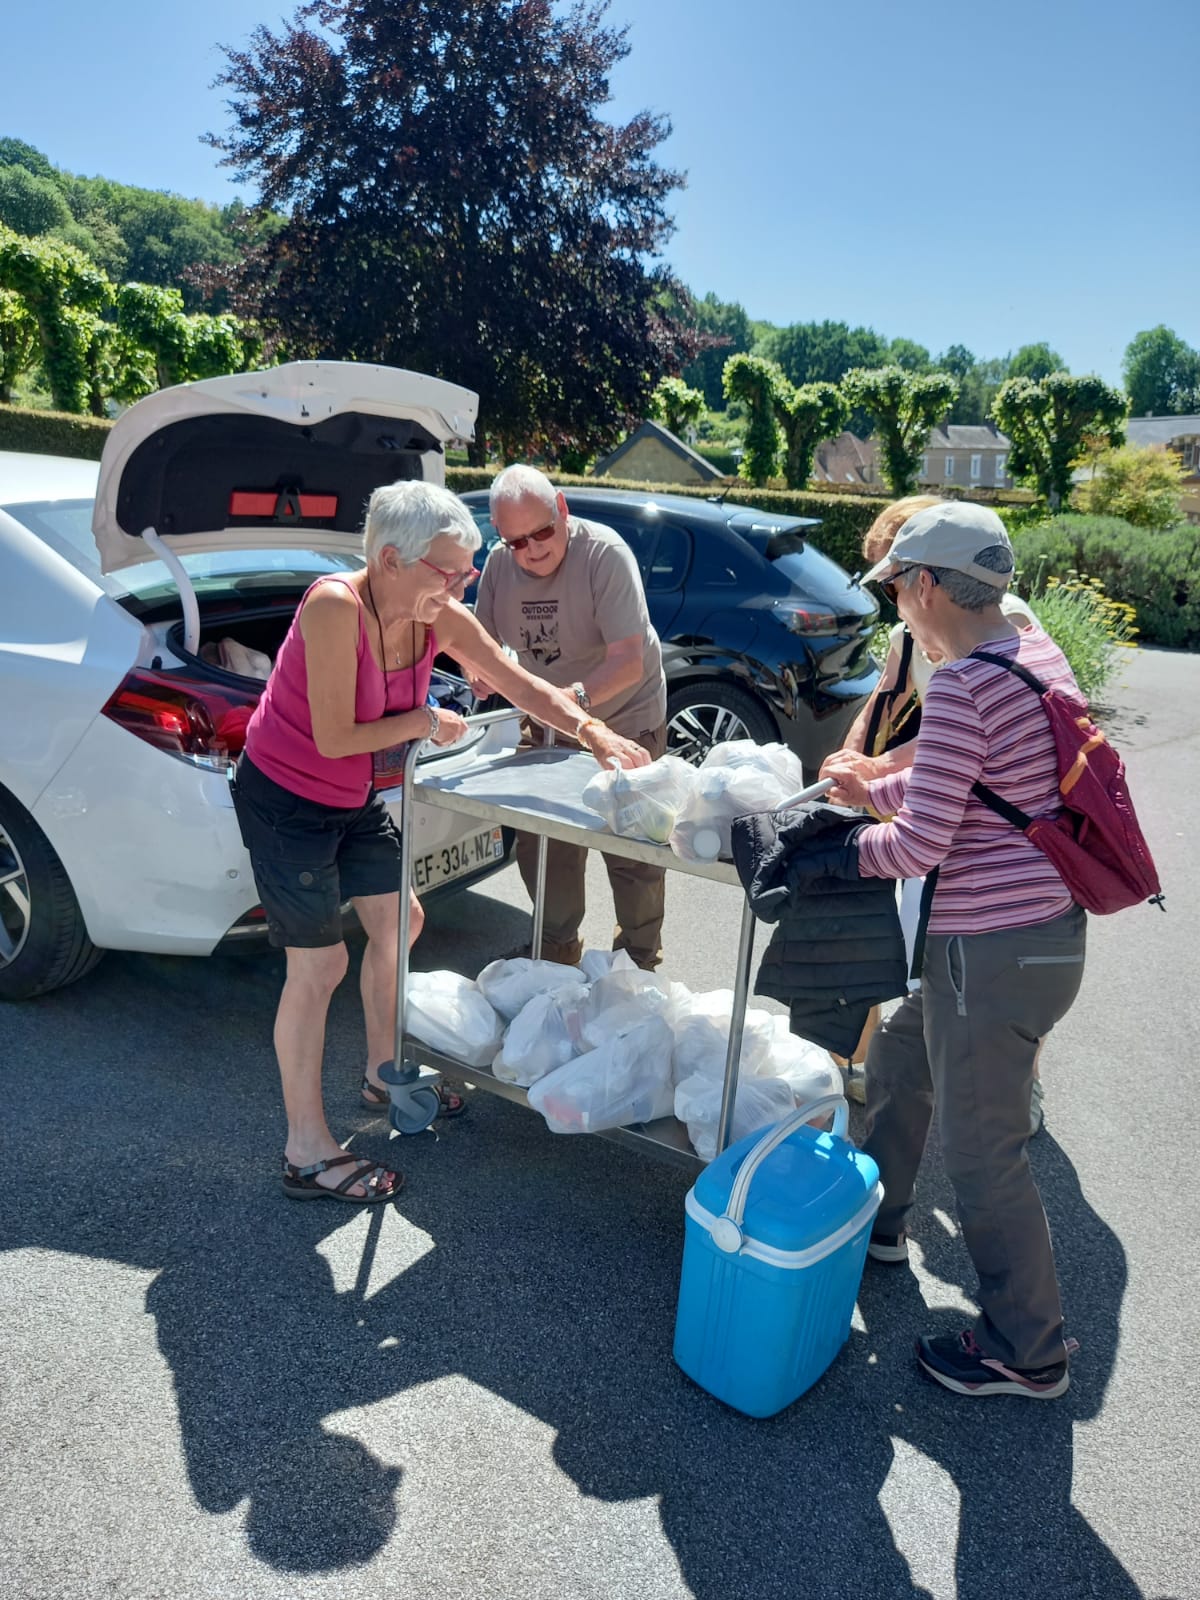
[543,1035]
[701,1024]
[509,985]
[628,1079]
[737,777]
[643,802]
[808,1070]
[618,1001]
[759,1102]
[447,1011]
[599,963]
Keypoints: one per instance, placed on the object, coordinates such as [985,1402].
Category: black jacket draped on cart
[837,948]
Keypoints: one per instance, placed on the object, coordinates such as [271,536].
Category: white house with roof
[966,455]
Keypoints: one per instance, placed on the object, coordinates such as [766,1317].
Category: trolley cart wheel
[416,1111]
[413,1090]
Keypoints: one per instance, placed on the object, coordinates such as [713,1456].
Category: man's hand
[606,746]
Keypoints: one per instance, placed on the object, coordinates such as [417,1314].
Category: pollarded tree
[675,405]
[1051,422]
[759,385]
[18,342]
[456,203]
[905,407]
[808,414]
[181,347]
[64,293]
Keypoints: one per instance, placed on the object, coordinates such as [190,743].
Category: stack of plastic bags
[604,1045]
[692,808]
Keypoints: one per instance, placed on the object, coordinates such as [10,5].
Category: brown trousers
[638,890]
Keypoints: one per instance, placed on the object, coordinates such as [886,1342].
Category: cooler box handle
[727,1230]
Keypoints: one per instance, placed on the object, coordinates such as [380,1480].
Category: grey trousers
[966,1042]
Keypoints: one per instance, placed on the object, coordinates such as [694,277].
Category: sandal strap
[368,1174]
[289,1171]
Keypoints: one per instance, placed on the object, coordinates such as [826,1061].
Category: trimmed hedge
[1158,574]
[52,433]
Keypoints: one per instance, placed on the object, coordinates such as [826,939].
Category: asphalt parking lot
[208,1391]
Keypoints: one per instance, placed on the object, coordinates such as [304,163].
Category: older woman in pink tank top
[351,683]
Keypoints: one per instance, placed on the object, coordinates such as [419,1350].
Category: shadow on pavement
[552,1283]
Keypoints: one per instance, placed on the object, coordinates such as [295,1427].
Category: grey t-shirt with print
[561,626]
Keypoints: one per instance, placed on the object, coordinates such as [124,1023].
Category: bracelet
[434,723]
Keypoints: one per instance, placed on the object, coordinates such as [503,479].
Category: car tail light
[809,620]
[197,722]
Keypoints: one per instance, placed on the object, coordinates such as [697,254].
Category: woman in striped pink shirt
[1004,948]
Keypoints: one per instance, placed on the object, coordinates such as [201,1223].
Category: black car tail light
[194,721]
[808,620]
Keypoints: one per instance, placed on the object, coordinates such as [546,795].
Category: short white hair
[410,515]
[520,482]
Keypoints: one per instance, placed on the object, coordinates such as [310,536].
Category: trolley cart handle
[813,792]
[771,1140]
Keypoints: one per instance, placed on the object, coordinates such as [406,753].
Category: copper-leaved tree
[456,203]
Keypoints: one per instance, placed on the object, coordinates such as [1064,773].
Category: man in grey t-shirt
[567,597]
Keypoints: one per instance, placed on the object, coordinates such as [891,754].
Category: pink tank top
[279,738]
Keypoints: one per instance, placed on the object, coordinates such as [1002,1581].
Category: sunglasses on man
[538,536]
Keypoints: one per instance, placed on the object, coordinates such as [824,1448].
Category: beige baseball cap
[951,534]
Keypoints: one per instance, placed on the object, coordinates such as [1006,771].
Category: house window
[949,468]
[976,468]
[1001,468]
[923,469]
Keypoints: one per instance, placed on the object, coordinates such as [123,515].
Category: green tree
[726,329]
[18,342]
[758,384]
[675,405]
[1050,422]
[1035,361]
[1142,485]
[463,209]
[1162,374]
[182,347]
[909,355]
[809,413]
[823,352]
[905,407]
[978,382]
[30,204]
[65,294]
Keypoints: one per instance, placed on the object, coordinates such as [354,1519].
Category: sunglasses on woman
[538,536]
[891,586]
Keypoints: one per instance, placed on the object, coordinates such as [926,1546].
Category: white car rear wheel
[43,942]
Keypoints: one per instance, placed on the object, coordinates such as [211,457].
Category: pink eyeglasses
[455,578]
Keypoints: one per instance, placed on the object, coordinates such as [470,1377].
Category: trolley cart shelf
[538,791]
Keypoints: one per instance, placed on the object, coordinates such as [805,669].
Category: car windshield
[66,526]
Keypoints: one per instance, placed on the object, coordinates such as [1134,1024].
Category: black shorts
[309,858]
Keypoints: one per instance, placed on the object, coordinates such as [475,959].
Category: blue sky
[973,174]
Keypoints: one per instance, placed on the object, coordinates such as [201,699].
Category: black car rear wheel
[43,942]
[700,715]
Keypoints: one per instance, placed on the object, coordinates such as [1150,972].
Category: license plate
[457,859]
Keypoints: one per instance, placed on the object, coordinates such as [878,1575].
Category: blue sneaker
[956,1362]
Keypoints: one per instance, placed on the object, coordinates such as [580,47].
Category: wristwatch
[583,697]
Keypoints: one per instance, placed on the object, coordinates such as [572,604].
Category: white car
[140,606]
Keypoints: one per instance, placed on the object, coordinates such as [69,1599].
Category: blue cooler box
[775,1242]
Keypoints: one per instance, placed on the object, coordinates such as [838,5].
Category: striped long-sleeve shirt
[978,723]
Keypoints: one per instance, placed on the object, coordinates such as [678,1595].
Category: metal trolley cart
[538,791]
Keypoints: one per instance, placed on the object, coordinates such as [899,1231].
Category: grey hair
[520,482]
[410,515]
[971,594]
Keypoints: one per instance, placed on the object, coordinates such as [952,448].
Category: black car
[763,636]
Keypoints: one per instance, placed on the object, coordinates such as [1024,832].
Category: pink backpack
[1095,841]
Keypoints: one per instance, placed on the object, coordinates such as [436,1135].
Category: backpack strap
[885,701]
[1004,808]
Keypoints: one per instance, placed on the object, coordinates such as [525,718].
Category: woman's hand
[450,726]
[851,773]
[608,746]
